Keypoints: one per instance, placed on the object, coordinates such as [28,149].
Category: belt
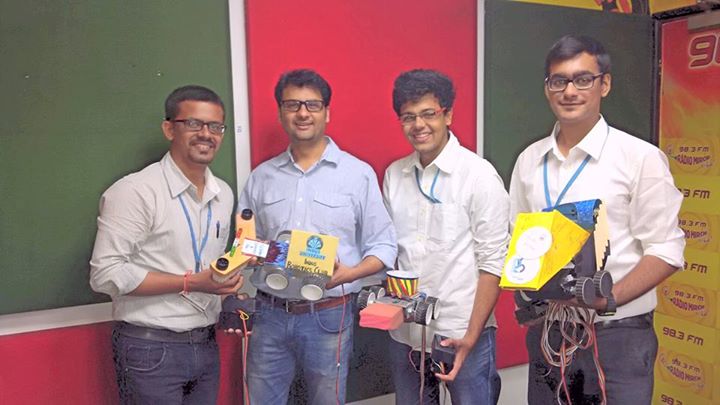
[637,321]
[299,307]
[197,335]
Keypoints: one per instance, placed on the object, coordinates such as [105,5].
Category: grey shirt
[142,228]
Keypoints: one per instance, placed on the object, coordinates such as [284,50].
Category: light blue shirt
[338,195]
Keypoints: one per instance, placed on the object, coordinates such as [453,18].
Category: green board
[518,36]
[83,86]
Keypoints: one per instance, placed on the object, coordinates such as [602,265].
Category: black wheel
[362,299]
[378,290]
[603,282]
[584,290]
[436,308]
[423,313]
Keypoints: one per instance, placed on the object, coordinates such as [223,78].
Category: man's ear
[606,84]
[167,128]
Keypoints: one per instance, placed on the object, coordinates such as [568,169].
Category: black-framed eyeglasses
[425,115]
[192,124]
[581,82]
[294,105]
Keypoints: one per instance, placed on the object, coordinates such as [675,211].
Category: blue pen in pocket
[217,229]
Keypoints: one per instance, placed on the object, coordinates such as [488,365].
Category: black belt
[299,307]
[197,335]
[637,321]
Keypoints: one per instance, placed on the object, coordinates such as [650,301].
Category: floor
[514,389]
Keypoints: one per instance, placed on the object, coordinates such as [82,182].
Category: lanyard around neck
[567,186]
[430,197]
[197,252]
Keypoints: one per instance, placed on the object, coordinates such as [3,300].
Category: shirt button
[300,199]
[297,223]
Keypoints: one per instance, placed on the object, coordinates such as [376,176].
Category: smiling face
[572,106]
[194,149]
[303,126]
[427,136]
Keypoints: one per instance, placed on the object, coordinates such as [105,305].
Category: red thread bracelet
[185,282]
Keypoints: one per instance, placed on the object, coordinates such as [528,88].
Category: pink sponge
[381,316]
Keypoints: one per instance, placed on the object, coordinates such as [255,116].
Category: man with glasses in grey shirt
[158,231]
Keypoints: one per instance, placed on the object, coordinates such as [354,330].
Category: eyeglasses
[581,82]
[294,105]
[192,124]
[425,115]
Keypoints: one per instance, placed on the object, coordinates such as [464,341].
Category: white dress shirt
[142,228]
[448,243]
[633,180]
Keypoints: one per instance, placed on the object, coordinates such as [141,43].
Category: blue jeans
[150,372]
[627,356]
[280,341]
[477,382]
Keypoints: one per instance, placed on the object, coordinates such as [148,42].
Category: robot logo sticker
[517,265]
[314,246]
[314,243]
[534,243]
[521,270]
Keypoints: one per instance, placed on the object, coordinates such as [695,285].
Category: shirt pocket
[443,225]
[333,214]
[274,214]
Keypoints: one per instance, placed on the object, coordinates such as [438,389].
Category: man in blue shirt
[313,186]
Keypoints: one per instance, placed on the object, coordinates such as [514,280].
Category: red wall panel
[360,47]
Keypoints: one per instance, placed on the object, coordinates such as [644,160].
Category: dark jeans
[627,352]
[152,372]
[477,382]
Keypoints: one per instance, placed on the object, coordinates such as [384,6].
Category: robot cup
[403,304]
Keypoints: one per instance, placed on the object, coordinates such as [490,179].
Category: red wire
[246,338]
[601,373]
[337,354]
[562,372]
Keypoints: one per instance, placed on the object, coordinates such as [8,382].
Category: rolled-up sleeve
[123,224]
[654,210]
[377,235]
[489,216]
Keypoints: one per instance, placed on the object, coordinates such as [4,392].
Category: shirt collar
[445,161]
[331,154]
[592,143]
[178,183]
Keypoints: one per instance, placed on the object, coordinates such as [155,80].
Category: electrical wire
[422,365]
[577,329]
[339,346]
[244,348]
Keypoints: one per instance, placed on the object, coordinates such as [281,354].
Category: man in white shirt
[158,231]
[632,179]
[450,211]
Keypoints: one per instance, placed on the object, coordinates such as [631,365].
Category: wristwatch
[610,308]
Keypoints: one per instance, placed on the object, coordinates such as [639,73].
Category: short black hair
[413,85]
[190,92]
[303,78]
[570,46]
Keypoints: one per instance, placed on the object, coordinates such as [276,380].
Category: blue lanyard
[196,252]
[430,197]
[567,186]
